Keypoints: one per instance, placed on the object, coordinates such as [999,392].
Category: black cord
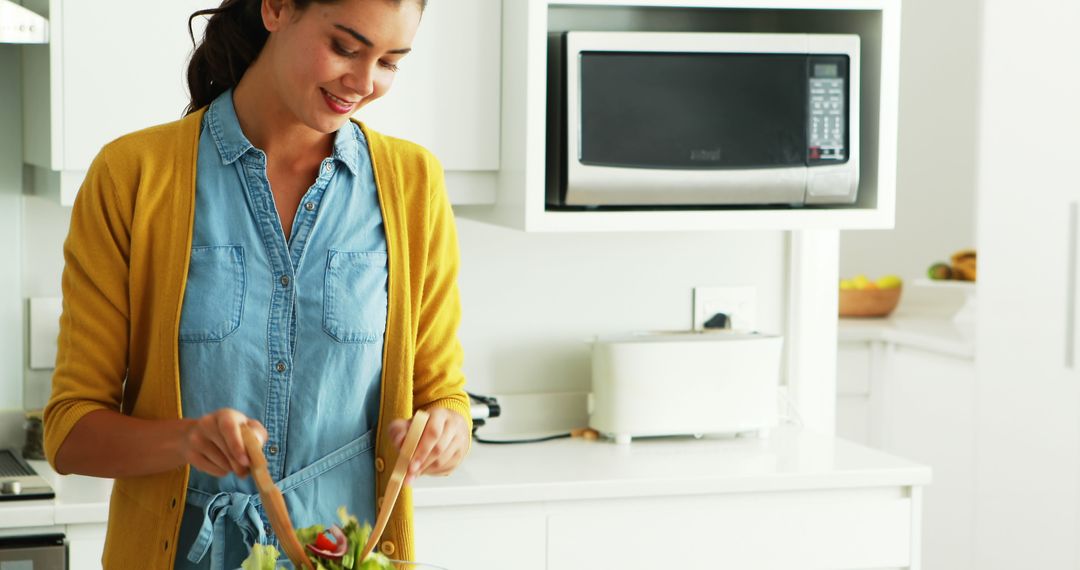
[510,441]
[480,439]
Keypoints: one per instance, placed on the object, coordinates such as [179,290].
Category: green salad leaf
[265,557]
[262,557]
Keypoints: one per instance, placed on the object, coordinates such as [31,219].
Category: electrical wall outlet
[738,303]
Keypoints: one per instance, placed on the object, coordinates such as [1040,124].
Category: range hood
[19,25]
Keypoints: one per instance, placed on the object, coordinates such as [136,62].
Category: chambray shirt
[287,332]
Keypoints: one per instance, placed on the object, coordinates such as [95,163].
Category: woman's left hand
[442,446]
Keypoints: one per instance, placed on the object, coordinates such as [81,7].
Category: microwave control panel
[827,131]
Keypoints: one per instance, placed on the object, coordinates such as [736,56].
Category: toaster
[684,383]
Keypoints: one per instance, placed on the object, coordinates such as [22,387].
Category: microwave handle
[1070,289]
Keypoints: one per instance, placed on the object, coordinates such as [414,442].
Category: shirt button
[309,206]
[328,166]
[280,366]
[284,280]
[387,548]
[273,450]
[379,464]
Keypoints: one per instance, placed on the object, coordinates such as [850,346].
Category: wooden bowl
[868,302]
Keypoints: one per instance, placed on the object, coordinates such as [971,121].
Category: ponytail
[234,37]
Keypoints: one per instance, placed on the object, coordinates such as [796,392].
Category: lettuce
[264,557]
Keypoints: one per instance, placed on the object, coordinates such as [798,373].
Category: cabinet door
[1028,434]
[929,417]
[446,95]
[123,67]
[853,370]
[86,543]
[491,537]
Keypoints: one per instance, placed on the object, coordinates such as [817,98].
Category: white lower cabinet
[865,528]
[920,405]
[86,542]
[828,529]
[481,537]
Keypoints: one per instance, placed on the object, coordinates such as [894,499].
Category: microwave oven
[692,120]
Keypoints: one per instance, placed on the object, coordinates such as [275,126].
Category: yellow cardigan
[126,263]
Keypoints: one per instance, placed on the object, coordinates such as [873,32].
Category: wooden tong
[397,478]
[274,502]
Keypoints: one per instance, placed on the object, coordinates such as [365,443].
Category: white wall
[11,324]
[935,205]
[531,300]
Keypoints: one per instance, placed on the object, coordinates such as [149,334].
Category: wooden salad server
[274,502]
[397,479]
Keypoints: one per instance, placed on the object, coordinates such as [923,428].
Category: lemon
[846,284]
[889,282]
[860,281]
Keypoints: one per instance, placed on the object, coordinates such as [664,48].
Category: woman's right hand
[213,444]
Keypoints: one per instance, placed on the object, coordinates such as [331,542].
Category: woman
[263,261]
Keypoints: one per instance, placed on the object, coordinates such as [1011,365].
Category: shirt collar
[232,144]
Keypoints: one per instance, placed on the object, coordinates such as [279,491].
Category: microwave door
[662,128]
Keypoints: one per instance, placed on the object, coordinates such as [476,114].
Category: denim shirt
[287,332]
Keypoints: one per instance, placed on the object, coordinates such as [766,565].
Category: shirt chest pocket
[214,295]
[354,296]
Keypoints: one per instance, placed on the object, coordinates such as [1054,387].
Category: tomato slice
[323,542]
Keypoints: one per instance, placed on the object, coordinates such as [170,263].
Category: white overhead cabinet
[446,95]
[116,66]
[109,68]
[1027,356]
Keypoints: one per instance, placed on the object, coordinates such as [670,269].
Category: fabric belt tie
[240,508]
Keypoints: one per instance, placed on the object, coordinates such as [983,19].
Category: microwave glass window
[694,110]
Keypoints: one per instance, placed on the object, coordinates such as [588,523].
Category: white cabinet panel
[930,418]
[446,95]
[481,538]
[86,543]
[119,66]
[853,369]
[111,68]
[839,529]
[1028,454]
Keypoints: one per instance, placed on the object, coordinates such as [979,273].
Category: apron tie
[217,510]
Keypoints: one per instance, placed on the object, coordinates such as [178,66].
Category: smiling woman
[264,261]
[235,36]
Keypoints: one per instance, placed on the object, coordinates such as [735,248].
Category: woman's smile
[337,104]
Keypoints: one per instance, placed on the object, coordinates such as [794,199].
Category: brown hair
[233,39]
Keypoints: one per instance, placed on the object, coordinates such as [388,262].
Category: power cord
[479,439]
[487,407]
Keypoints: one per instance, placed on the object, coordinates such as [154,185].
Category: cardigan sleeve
[437,377]
[92,348]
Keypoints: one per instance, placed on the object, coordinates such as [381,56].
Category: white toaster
[684,383]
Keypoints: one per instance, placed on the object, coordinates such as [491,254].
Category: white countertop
[573,469]
[936,334]
[79,500]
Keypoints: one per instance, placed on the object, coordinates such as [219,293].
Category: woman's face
[331,59]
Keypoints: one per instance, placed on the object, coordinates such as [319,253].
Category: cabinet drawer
[849,529]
